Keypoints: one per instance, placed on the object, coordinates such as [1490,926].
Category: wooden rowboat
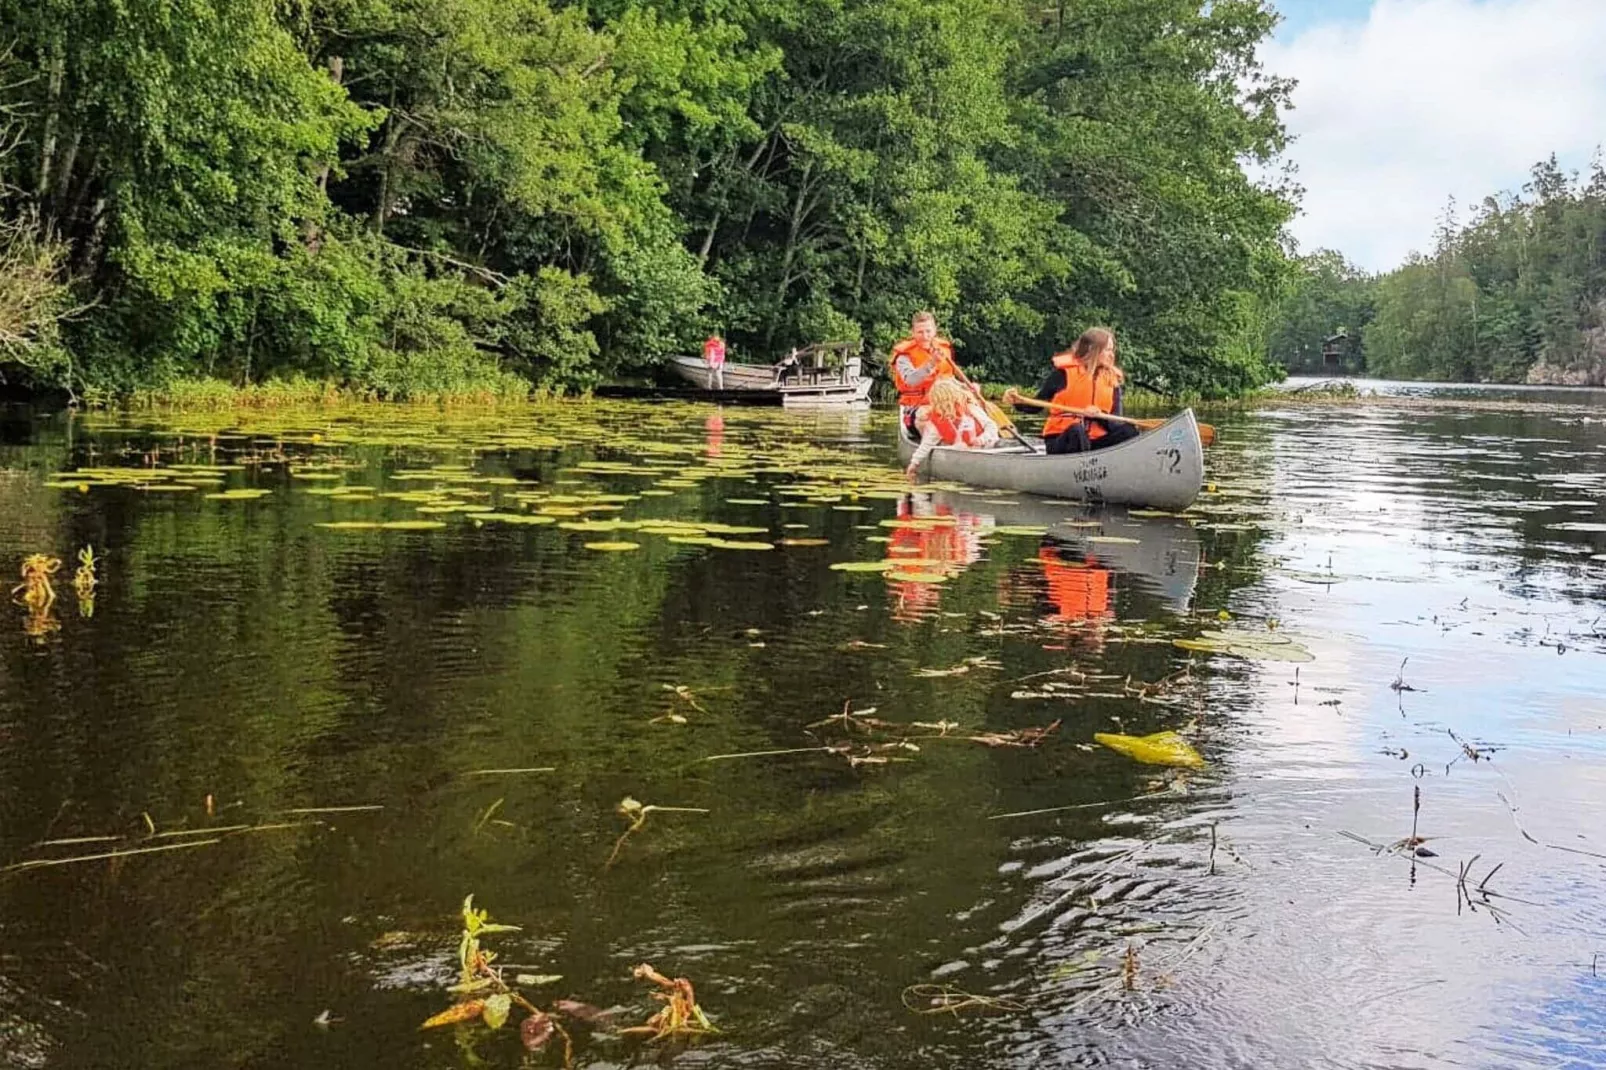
[813,382]
[1161,469]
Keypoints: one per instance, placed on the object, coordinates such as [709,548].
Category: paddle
[999,417]
[1207,433]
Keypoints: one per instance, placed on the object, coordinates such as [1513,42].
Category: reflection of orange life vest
[936,547]
[714,352]
[1084,389]
[966,432]
[1079,591]
[941,352]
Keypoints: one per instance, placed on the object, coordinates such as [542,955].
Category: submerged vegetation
[474,197]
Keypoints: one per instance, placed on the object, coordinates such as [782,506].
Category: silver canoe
[1162,468]
[808,387]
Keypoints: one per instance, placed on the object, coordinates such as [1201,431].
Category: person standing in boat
[714,355]
[1084,377]
[951,416]
[917,362]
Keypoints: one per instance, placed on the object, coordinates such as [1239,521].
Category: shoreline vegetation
[214,396]
[481,197]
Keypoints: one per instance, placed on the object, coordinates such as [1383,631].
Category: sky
[1403,104]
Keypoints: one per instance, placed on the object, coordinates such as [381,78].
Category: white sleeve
[929,441]
[989,429]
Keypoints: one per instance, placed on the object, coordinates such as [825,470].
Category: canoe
[1161,554]
[808,387]
[1160,469]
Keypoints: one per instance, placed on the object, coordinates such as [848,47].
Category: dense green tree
[1517,292]
[418,196]
[1328,296]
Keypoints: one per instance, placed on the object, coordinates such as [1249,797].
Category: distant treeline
[1517,294]
[426,196]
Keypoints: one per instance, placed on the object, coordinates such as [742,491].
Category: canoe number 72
[1170,459]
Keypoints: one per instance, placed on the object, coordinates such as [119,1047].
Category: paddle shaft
[1207,433]
[1089,414]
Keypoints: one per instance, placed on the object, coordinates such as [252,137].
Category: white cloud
[1433,98]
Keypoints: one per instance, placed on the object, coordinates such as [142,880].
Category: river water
[303,739]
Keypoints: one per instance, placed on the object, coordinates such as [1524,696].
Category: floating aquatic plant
[35,590]
[681,1015]
[637,814]
[85,580]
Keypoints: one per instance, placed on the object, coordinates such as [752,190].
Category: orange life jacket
[941,351]
[965,432]
[1078,590]
[1084,389]
[714,352]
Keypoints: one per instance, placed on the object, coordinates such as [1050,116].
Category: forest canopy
[414,197]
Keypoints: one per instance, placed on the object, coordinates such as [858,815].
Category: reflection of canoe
[1163,468]
[1164,559]
[808,386]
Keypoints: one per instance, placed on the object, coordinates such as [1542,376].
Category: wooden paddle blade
[1207,432]
[998,415]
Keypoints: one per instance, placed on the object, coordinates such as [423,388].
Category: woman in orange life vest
[917,362]
[1084,377]
[950,417]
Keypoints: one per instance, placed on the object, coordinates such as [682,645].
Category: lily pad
[613,547]
[865,566]
[413,525]
[1256,646]
[238,495]
[1018,529]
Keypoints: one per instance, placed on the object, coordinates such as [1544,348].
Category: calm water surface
[1229,916]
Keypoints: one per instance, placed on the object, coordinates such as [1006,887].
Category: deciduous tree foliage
[429,196]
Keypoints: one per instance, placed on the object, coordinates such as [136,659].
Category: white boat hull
[845,389]
[1161,469]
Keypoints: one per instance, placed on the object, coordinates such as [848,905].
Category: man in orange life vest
[1084,377]
[917,362]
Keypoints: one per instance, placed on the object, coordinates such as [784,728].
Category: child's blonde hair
[948,398]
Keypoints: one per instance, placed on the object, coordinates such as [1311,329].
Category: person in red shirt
[714,354]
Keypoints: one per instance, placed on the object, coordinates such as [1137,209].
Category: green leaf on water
[1018,529]
[496,1010]
[613,547]
[350,525]
[738,544]
[917,577]
[536,980]
[865,566]
[413,525]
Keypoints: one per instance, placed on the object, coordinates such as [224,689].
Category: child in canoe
[951,416]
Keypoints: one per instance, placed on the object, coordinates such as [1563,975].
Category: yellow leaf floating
[1161,748]
[462,1012]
